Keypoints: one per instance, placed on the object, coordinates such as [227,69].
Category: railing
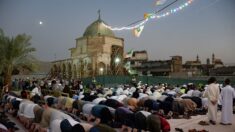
[51,92]
[109,80]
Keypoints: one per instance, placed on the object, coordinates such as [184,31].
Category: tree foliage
[15,53]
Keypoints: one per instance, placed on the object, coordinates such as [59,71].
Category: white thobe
[227,95]
[55,125]
[29,110]
[212,93]
[120,98]
[35,91]
[190,93]
[98,100]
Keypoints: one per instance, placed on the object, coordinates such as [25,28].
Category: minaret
[99,16]
[197,58]
[213,58]
[208,61]
[99,19]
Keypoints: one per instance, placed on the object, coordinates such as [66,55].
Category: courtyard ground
[193,124]
[185,124]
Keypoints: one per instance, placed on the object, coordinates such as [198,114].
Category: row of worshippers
[133,103]
[158,96]
[149,104]
[52,117]
[197,95]
[44,118]
[203,97]
[151,92]
[139,100]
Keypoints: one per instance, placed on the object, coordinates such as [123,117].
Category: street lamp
[101,73]
[117,61]
[101,70]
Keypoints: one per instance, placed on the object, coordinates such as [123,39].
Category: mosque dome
[98,28]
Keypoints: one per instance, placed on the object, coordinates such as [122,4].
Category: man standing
[227,95]
[212,93]
[94,82]
[36,89]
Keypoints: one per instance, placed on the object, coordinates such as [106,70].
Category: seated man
[102,114]
[86,111]
[101,128]
[124,118]
[29,113]
[3,128]
[156,123]
[77,106]
[98,100]
[69,104]
[22,106]
[151,105]
[44,122]
[61,103]
[112,103]
[141,120]
[132,103]
[189,107]
[69,125]
[47,119]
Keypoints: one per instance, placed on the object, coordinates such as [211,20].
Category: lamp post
[101,73]
[117,61]
[101,70]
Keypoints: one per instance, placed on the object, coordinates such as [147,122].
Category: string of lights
[150,16]
[158,11]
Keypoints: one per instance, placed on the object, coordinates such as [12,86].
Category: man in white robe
[227,95]
[212,93]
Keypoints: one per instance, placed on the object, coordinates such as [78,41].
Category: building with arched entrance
[97,52]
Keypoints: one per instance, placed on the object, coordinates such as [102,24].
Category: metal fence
[109,80]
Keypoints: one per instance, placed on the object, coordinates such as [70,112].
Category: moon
[40,22]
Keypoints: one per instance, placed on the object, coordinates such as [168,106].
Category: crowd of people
[92,108]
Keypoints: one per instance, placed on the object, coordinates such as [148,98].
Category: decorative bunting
[127,65]
[129,54]
[148,15]
[160,2]
[138,27]
[138,31]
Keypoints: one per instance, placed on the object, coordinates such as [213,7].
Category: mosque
[97,52]
[100,52]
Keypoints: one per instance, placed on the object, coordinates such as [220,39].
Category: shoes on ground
[202,130]
[187,117]
[192,130]
[179,130]
[225,123]
[203,123]
[212,122]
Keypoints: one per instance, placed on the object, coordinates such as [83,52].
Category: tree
[15,54]
[2,39]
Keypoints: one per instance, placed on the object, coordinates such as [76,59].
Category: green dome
[98,28]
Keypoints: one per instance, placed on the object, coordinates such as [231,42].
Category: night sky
[203,28]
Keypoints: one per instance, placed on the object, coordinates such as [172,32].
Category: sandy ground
[177,123]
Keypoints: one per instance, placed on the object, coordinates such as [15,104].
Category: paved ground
[178,123]
[18,124]
[193,123]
